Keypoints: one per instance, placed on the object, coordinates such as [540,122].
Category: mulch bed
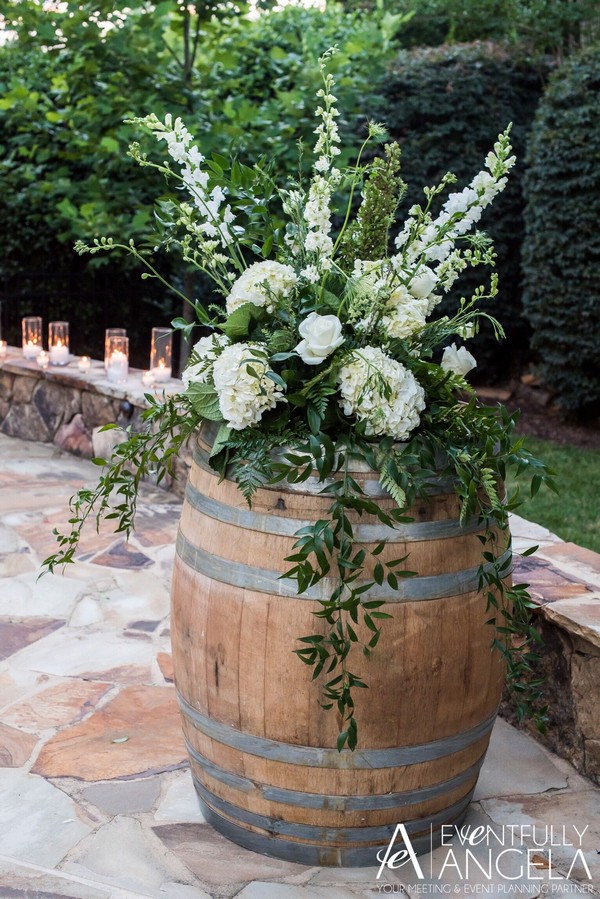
[540,415]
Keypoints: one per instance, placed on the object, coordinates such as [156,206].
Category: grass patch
[573,515]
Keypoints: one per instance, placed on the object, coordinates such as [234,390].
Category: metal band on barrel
[314,854]
[338,803]
[347,836]
[364,533]
[265,580]
[324,757]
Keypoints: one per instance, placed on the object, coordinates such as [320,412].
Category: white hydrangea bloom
[364,382]
[205,351]
[250,286]
[404,314]
[243,398]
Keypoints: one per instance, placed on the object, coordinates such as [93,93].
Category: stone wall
[68,407]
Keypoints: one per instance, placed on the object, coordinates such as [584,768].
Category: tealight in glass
[118,359]
[32,336]
[160,354]
[58,343]
[111,332]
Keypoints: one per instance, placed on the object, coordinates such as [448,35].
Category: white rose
[458,361]
[423,283]
[322,334]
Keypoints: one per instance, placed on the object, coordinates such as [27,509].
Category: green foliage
[444,107]
[540,27]
[575,515]
[68,83]
[561,252]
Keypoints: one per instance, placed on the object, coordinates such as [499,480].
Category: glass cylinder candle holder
[3,348]
[58,343]
[32,336]
[118,359]
[111,332]
[160,353]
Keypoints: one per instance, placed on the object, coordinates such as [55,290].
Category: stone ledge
[68,407]
[565,585]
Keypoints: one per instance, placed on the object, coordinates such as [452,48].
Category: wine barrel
[262,751]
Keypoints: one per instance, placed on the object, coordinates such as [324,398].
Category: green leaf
[205,401]
[239,322]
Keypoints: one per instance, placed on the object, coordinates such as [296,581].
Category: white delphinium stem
[216,216]
[318,243]
[425,240]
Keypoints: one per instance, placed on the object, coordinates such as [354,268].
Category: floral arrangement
[327,349]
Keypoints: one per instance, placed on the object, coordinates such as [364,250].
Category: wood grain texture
[433,682]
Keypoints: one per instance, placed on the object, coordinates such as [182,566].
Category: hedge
[561,251]
[446,107]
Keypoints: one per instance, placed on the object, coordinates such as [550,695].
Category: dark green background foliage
[245,86]
[446,108]
[562,243]
[64,174]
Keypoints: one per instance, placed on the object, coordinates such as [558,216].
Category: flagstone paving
[96,797]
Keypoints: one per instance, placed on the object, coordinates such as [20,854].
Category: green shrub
[561,252]
[64,172]
[446,107]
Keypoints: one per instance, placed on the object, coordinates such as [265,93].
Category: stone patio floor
[96,800]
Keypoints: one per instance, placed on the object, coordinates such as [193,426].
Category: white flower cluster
[205,351]
[317,212]
[433,239]
[406,308]
[381,392]
[261,284]
[217,217]
[244,391]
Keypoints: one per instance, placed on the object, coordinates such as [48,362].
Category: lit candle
[59,353]
[30,349]
[161,372]
[84,363]
[118,367]
[147,378]
[42,359]
[2,348]
[32,336]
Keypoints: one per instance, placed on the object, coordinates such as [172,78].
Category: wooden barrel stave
[263,765]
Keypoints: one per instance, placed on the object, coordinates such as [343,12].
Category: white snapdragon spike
[382,393]
[310,274]
[204,352]
[433,240]
[459,361]
[321,336]
[261,284]
[216,215]
[243,390]
[317,212]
